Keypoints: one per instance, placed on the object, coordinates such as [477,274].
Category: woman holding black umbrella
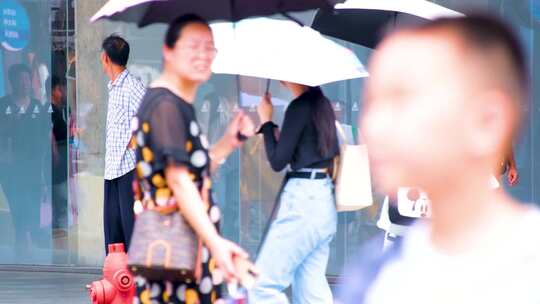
[173,168]
[297,246]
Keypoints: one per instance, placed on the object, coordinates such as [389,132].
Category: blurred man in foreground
[443,104]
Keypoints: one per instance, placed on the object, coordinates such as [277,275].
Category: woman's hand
[247,127]
[265,108]
[241,125]
[512,176]
[240,128]
[223,252]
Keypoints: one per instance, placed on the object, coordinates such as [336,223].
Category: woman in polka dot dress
[174,161]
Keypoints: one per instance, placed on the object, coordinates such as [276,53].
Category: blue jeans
[297,246]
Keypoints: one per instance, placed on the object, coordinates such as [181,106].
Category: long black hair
[324,118]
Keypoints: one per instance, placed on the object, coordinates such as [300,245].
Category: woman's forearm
[190,203]
[219,153]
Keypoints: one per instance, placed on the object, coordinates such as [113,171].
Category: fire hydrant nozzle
[117,286]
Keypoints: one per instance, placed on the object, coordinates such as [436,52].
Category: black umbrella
[145,12]
[367,22]
[364,27]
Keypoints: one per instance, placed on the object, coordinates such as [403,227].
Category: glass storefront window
[34,214]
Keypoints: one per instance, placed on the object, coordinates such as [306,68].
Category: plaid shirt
[125,96]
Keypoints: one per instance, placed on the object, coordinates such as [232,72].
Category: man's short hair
[117,49]
[483,34]
[16,70]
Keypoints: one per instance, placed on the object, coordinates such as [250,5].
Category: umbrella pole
[267,86]
[232,6]
[349,101]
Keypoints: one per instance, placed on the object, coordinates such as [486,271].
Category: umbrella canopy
[145,12]
[282,50]
[365,21]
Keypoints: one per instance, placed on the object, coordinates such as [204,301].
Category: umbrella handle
[241,137]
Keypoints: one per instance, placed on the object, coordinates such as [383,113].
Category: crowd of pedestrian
[442,107]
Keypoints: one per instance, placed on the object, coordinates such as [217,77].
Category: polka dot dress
[166,132]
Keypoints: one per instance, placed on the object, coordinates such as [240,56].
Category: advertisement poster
[14,25]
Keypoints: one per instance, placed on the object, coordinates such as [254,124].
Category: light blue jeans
[297,246]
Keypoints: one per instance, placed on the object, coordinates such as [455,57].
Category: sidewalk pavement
[44,287]
[41,287]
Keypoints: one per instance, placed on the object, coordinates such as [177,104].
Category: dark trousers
[59,193]
[118,215]
[24,199]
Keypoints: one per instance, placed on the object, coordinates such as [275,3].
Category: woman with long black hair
[297,246]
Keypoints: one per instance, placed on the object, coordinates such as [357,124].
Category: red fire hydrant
[117,286]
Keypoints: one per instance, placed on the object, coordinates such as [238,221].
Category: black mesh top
[165,131]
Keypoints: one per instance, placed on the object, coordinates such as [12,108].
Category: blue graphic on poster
[14,25]
[535,9]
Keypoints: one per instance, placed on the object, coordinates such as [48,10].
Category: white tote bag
[352,175]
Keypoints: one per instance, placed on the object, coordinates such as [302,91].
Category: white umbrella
[282,50]
[420,8]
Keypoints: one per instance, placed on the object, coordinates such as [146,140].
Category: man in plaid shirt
[125,95]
